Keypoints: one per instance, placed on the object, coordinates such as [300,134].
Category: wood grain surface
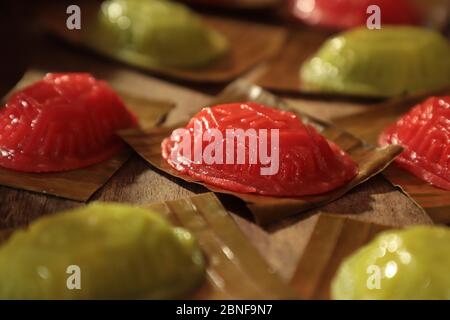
[282,245]
[137,182]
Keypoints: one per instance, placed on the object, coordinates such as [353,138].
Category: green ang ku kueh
[408,264]
[379,63]
[122,252]
[154,33]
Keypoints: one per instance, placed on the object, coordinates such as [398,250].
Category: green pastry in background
[405,264]
[379,63]
[154,33]
[122,252]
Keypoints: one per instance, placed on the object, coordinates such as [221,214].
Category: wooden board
[82,183]
[250,44]
[435,201]
[375,201]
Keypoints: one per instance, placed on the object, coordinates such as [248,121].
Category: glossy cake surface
[121,252]
[307,163]
[410,264]
[424,133]
[62,122]
[379,63]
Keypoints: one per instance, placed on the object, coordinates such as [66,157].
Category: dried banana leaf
[267,210]
[334,238]
[247,49]
[81,184]
[435,201]
[282,73]
[235,268]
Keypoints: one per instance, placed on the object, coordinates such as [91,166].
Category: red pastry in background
[237,3]
[213,2]
[344,14]
[301,162]
[424,132]
[62,122]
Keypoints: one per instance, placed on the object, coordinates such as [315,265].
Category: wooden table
[138,183]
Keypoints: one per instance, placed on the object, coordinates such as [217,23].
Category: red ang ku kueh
[62,122]
[308,163]
[344,14]
[424,132]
